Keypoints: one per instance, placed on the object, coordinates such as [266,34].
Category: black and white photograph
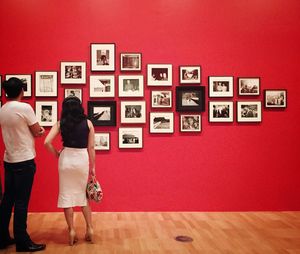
[189,74]
[249,111]
[73,72]
[159,74]
[103,56]
[131,61]
[46,84]
[190,123]
[220,86]
[131,137]
[161,122]
[26,80]
[249,86]
[220,111]
[102,86]
[131,86]
[102,141]
[102,113]
[133,111]
[46,112]
[161,99]
[275,98]
[75,92]
[190,98]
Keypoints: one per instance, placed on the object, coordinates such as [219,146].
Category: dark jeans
[18,184]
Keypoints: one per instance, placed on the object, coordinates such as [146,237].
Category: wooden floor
[145,233]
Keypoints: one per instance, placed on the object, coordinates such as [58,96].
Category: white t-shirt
[15,119]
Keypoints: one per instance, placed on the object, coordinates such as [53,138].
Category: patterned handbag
[93,190]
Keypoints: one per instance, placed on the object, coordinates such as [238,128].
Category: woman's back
[77,137]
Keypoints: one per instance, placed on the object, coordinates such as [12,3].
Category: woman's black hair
[13,87]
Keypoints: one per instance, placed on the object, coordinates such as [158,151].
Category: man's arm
[37,130]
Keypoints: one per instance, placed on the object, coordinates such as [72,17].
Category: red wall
[226,167]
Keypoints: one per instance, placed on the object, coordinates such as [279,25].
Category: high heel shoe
[89,236]
[72,237]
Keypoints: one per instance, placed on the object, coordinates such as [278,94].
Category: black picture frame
[185,101]
[130,61]
[275,98]
[97,110]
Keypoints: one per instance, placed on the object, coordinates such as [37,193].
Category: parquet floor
[154,233]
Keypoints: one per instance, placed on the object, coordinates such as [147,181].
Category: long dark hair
[72,114]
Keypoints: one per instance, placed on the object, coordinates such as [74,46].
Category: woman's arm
[50,137]
[91,148]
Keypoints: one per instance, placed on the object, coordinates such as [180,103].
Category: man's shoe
[30,247]
[9,241]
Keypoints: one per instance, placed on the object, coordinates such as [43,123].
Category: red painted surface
[226,167]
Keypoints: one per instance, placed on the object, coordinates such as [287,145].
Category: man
[19,127]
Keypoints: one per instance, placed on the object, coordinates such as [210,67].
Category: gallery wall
[226,167]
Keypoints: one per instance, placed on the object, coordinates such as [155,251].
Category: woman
[76,161]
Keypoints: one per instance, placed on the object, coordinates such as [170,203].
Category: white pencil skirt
[73,167]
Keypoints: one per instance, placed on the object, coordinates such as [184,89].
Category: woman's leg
[86,210]
[69,215]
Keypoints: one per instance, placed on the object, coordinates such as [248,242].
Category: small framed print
[161,122]
[102,113]
[26,80]
[275,98]
[190,74]
[190,98]
[73,72]
[249,111]
[102,86]
[77,92]
[133,111]
[46,84]
[46,112]
[220,112]
[103,56]
[220,86]
[190,123]
[131,61]
[131,86]
[249,86]
[161,99]
[159,74]
[102,141]
[131,137]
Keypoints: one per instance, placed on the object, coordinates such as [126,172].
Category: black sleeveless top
[78,136]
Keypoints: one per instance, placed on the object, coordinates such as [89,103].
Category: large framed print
[133,111]
[102,141]
[102,86]
[102,113]
[159,74]
[190,123]
[130,137]
[161,99]
[76,92]
[161,122]
[249,111]
[190,98]
[189,74]
[275,98]
[220,86]
[249,86]
[131,61]
[26,80]
[220,111]
[131,86]
[46,112]
[103,56]
[73,72]
[46,83]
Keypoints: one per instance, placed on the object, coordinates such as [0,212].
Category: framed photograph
[190,74]
[102,86]
[249,86]
[249,111]
[131,86]
[133,111]
[220,86]
[131,61]
[103,56]
[190,123]
[73,72]
[77,92]
[161,99]
[102,141]
[159,74]
[26,80]
[102,113]
[190,98]
[220,112]
[161,122]
[275,98]
[46,112]
[46,83]
[131,137]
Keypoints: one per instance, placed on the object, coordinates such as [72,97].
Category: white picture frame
[103,56]
[220,111]
[46,112]
[130,61]
[220,86]
[27,81]
[102,86]
[133,112]
[131,138]
[131,86]
[190,74]
[102,141]
[161,122]
[73,72]
[77,92]
[159,75]
[46,83]
[249,111]
[190,123]
[161,99]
